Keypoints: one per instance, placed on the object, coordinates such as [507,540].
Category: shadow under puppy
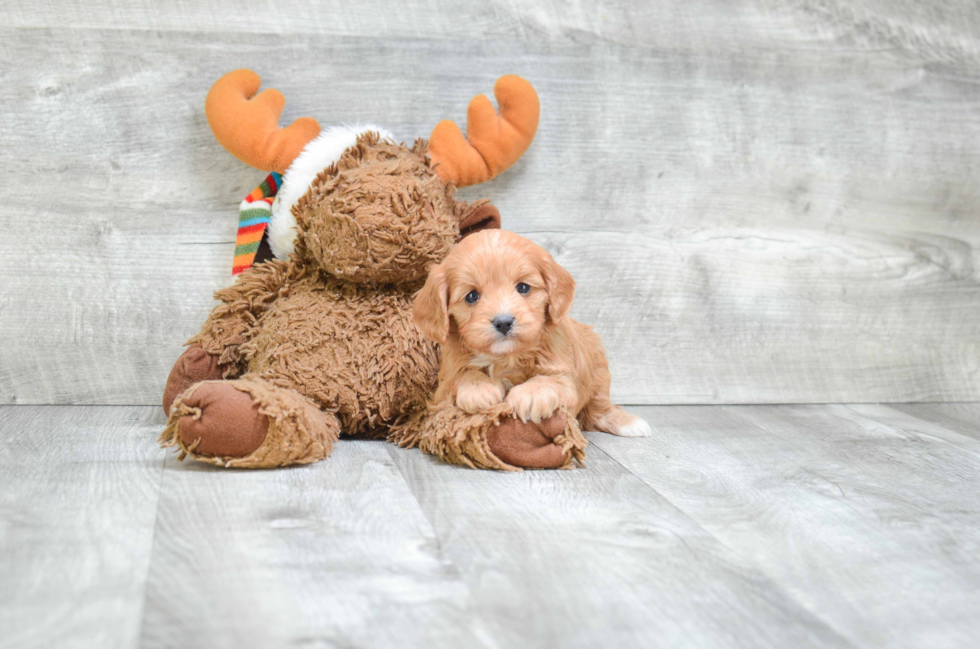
[499,306]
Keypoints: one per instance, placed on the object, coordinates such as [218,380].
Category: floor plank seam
[746,560]
[440,547]
[153,540]
[390,448]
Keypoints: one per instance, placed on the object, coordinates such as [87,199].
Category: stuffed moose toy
[316,338]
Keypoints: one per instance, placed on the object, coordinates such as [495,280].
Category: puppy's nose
[503,324]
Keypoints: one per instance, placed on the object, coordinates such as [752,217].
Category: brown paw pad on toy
[527,444]
[221,421]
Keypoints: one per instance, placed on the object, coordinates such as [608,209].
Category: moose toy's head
[354,202]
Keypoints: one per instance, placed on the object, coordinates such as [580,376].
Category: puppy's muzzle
[504,324]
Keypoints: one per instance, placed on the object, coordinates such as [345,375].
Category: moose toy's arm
[231,322]
[213,353]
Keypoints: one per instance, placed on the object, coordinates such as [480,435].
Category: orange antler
[493,142]
[247,125]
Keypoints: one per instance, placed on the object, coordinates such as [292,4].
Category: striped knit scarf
[254,215]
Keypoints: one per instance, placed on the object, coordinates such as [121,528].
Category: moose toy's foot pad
[527,444]
[193,366]
[221,421]
[249,423]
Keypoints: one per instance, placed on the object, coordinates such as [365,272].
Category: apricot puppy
[499,307]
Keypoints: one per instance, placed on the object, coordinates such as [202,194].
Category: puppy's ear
[561,289]
[431,307]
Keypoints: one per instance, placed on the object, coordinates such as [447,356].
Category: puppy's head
[496,292]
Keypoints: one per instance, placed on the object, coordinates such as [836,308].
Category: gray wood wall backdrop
[765,201]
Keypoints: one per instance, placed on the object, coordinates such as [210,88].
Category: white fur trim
[316,156]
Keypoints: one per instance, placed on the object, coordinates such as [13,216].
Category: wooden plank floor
[735,526]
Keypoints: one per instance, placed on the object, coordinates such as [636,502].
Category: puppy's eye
[472,297]
[523,288]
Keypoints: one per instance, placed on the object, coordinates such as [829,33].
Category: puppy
[499,307]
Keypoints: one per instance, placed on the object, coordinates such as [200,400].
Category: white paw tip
[637,428]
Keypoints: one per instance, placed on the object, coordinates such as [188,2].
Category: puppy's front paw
[477,397]
[533,401]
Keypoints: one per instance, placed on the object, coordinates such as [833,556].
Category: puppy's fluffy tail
[607,418]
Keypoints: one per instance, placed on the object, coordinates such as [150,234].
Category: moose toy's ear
[431,307]
[493,141]
[481,217]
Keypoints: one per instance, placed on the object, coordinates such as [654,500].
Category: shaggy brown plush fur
[325,344]
[379,215]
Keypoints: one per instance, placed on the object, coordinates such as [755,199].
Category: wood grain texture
[954,426]
[944,29]
[78,497]
[761,202]
[594,557]
[964,418]
[870,523]
[742,526]
[337,554]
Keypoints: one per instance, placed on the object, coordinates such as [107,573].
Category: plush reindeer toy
[320,340]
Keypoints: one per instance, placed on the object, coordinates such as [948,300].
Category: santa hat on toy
[247,125]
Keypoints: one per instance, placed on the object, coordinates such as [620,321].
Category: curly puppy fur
[499,305]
